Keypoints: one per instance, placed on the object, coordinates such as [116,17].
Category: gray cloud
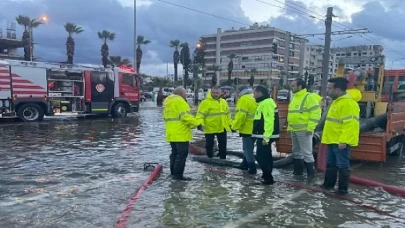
[160,23]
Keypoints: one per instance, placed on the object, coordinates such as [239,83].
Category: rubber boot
[330,177]
[252,168]
[268,180]
[243,165]
[310,171]
[298,167]
[178,170]
[344,179]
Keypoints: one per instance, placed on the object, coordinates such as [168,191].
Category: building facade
[9,43]
[362,52]
[313,58]
[254,56]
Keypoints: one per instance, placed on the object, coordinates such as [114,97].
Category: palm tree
[197,69]
[118,61]
[176,56]
[105,35]
[230,66]
[185,60]
[27,40]
[252,72]
[214,68]
[140,40]
[71,28]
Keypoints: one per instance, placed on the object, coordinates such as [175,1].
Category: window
[128,79]
[99,77]
[401,79]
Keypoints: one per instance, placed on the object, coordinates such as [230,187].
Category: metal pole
[135,35]
[31,45]
[184,74]
[326,54]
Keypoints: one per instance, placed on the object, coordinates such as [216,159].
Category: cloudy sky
[161,22]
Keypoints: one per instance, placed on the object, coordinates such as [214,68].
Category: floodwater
[81,173]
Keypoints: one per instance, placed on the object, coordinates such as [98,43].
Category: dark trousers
[265,159]
[338,157]
[209,144]
[178,158]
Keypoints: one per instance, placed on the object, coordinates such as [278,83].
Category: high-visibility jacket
[355,94]
[214,115]
[178,119]
[317,98]
[342,125]
[245,112]
[303,112]
[266,121]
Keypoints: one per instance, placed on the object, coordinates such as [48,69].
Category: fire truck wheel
[30,112]
[120,110]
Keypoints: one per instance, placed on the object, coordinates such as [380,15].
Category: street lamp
[43,18]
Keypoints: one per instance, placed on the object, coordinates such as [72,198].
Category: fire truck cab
[32,90]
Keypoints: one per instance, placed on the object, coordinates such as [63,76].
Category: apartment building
[253,48]
[362,53]
[313,64]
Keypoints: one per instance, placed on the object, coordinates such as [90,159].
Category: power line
[373,40]
[202,12]
[345,32]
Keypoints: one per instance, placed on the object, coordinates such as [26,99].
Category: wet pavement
[81,173]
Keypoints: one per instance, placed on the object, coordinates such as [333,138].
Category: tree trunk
[138,58]
[26,39]
[70,49]
[175,73]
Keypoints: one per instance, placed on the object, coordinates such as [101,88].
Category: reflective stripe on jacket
[342,125]
[178,119]
[244,114]
[304,112]
[214,115]
[266,121]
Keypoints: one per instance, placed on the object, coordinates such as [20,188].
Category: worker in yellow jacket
[178,124]
[213,114]
[302,118]
[266,130]
[340,133]
[243,122]
[317,98]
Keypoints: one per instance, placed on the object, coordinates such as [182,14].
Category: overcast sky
[161,22]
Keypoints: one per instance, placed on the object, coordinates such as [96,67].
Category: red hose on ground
[321,165]
[121,223]
[296,185]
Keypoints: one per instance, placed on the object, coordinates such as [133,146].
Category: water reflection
[81,173]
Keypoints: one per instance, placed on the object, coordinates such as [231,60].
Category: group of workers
[257,121]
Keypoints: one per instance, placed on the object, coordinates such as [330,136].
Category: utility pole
[135,36]
[326,54]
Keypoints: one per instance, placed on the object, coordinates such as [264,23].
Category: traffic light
[311,80]
[275,48]
[214,80]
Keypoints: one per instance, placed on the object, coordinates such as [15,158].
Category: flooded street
[81,173]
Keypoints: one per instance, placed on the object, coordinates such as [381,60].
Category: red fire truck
[32,90]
